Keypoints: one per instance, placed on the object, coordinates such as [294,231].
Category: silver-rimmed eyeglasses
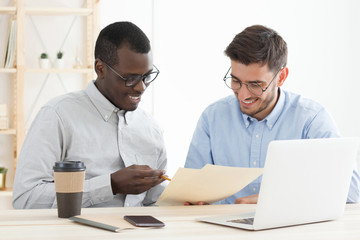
[255,88]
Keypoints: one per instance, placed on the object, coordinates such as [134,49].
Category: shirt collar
[273,116]
[101,103]
[126,115]
[247,119]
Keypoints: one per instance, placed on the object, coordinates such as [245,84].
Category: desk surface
[180,224]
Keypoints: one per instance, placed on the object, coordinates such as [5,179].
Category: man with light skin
[236,130]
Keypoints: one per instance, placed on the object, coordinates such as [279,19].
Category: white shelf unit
[18,73]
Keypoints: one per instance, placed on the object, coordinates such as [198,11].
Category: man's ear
[99,67]
[283,74]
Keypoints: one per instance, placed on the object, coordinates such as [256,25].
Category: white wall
[189,38]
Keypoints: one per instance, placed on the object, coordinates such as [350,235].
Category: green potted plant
[2,177]
[59,55]
[59,59]
[44,60]
[43,56]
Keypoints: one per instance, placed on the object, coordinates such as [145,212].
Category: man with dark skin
[136,178]
[120,144]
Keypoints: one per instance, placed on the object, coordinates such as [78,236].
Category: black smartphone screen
[144,221]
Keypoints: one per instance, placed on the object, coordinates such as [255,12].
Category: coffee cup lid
[69,166]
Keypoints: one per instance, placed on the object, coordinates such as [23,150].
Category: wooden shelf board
[8,132]
[60,70]
[7,70]
[6,192]
[9,10]
[58,11]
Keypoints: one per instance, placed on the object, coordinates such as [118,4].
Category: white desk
[180,224]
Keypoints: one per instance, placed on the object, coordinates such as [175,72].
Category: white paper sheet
[209,184]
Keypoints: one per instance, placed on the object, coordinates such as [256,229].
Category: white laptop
[304,181]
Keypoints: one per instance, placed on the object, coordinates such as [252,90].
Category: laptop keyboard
[249,221]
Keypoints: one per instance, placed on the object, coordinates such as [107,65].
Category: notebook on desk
[304,181]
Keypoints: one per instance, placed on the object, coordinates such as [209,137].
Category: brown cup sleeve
[69,182]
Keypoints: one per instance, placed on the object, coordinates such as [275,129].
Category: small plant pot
[59,63]
[3,178]
[2,181]
[44,63]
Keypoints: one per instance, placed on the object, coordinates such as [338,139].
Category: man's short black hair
[116,35]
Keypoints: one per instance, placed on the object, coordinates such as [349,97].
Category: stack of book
[4,119]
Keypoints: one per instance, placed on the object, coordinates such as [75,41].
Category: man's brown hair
[259,44]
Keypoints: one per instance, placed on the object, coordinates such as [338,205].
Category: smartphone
[144,221]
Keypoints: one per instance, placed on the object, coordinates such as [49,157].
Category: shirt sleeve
[323,126]
[45,144]
[34,182]
[199,153]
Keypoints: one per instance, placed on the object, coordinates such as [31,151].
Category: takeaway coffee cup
[69,185]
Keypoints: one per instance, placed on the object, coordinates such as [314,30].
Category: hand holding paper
[209,184]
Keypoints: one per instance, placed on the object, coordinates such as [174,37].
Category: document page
[209,184]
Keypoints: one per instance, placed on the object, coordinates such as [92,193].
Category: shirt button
[254,162]
[254,189]
[106,117]
[127,204]
[257,136]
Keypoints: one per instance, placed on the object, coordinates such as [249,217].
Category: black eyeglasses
[134,79]
[254,88]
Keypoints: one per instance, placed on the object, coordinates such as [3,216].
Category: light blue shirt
[225,136]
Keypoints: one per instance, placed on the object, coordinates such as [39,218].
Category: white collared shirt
[85,126]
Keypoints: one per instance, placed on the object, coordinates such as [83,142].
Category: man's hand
[135,179]
[252,199]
